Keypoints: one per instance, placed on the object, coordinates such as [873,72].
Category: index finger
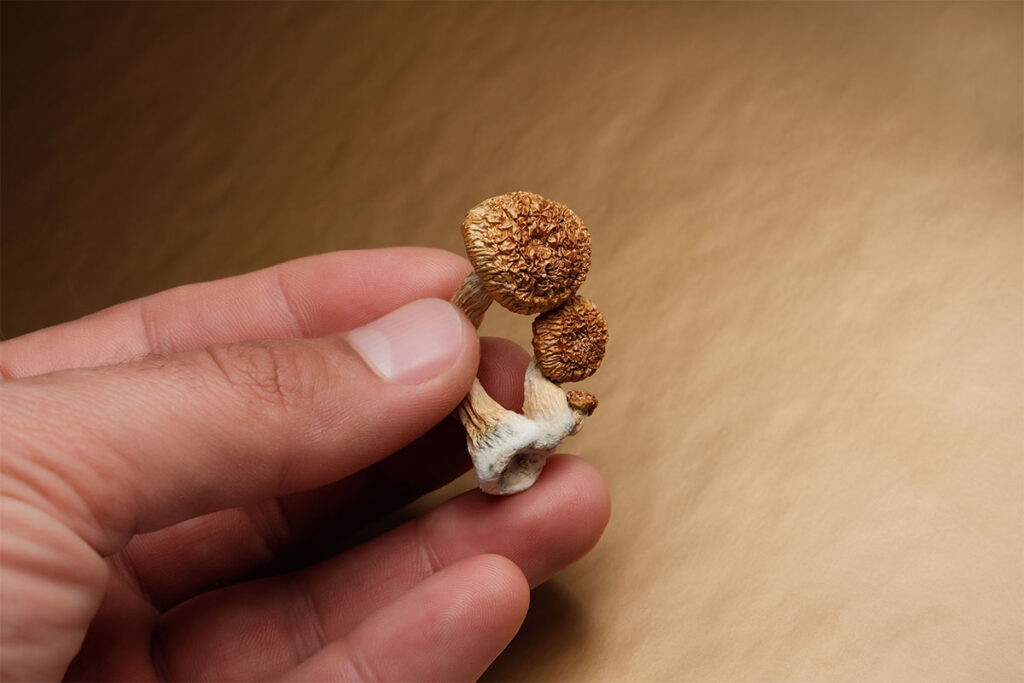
[308,297]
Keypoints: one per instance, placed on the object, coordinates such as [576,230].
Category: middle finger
[265,627]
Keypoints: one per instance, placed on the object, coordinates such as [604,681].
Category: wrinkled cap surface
[583,401]
[569,341]
[530,253]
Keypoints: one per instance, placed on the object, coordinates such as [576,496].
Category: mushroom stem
[543,400]
[547,404]
[500,443]
[508,449]
[472,298]
[480,414]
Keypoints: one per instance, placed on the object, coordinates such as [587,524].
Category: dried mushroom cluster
[530,255]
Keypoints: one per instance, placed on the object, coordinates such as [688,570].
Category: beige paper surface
[808,243]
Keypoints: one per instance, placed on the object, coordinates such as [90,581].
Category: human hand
[178,496]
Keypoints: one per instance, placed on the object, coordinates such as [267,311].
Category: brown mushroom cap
[583,401]
[530,253]
[569,341]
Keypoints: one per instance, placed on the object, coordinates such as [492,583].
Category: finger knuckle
[275,374]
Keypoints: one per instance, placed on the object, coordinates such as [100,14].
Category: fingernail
[413,344]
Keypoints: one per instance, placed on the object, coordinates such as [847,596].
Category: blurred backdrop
[808,243]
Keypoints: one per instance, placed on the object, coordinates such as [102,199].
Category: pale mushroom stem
[546,403]
[479,413]
[541,396]
[509,449]
[498,440]
[501,444]
[472,298]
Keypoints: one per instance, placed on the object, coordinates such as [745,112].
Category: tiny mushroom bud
[528,253]
[583,404]
[583,401]
[569,341]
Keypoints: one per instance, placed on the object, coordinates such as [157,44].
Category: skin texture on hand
[185,478]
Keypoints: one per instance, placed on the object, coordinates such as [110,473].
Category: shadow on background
[556,622]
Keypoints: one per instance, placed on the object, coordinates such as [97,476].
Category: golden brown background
[807,222]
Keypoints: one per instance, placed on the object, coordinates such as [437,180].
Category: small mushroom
[528,253]
[569,344]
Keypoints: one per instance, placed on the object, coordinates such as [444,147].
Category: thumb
[142,445]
